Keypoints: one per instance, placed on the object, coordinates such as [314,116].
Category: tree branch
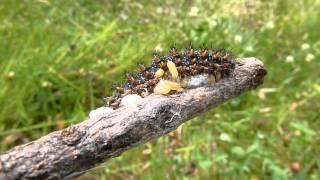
[70,152]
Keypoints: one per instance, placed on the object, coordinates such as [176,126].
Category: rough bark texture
[70,152]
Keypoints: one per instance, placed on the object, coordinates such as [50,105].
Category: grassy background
[59,58]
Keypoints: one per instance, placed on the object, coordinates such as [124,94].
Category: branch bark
[70,152]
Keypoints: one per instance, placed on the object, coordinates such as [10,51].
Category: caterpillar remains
[187,68]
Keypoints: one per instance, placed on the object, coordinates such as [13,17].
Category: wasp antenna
[156,59]
[190,52]
[173,51]
[142,68]
[130,78]
[120,89]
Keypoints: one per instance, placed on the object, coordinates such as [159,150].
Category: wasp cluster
[167,73]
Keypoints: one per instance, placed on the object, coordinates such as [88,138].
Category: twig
[70,152]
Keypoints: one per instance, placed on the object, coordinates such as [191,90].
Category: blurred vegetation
[58,60]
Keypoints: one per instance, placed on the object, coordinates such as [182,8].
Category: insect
[170,72]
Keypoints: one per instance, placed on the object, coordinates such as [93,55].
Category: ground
[59,59]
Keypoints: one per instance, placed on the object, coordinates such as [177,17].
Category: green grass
[58,59]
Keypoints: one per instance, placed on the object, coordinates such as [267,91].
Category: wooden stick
[70,152]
